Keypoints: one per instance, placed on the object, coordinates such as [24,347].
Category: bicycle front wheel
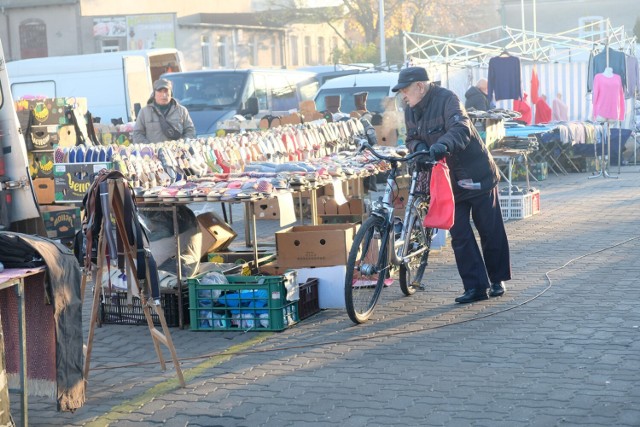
[417,252]
[366,269]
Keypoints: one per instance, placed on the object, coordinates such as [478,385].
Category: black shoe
[471,295]
[497,289]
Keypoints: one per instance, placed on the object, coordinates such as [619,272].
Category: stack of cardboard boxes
[48,124]
[316,251]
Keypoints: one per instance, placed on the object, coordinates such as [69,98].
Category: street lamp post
[383,54]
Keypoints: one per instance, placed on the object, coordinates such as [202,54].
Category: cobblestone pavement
[562,347]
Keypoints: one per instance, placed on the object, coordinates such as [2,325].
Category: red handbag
[442,207]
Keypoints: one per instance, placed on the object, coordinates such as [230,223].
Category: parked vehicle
[17,198]
[116,84]
[377,84]
[325,73]
[213,96]
[386,108]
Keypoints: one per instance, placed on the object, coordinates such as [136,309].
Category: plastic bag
[441,212]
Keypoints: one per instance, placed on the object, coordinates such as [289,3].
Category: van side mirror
[251,107]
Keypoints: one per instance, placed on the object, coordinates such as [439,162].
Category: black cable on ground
[382,335]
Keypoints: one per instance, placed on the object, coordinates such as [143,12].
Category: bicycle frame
[384,208]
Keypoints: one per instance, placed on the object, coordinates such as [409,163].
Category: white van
[214,96]
[387,108]
[377,84]
[116,84]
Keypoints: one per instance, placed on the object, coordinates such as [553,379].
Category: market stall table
[15,278]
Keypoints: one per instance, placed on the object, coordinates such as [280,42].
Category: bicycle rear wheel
[366,269]
[412,271]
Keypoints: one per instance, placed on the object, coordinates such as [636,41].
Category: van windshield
[195,91]
[376,98]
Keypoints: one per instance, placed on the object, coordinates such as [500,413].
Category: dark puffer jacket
[440,117]
[475,98]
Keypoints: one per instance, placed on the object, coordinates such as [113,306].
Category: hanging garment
[523,108]
[64,293]
[560,110]
[633,76]
[504,78]
[535,84]
[608,97]
[616,60]
[543,111]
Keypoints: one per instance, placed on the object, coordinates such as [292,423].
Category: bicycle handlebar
[364,144]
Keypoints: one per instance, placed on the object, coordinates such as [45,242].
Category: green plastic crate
[248,303]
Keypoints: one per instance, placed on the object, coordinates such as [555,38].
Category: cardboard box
[45,190]
[216,234]
[72,180]
[344,209]
[350,187]
[356,207]
[329,212]
[44,137]
[267,209]
[61,221]
[51,110]
[40,163]
[314,245]
[330,206]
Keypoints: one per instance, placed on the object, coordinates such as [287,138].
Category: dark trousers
[493,265]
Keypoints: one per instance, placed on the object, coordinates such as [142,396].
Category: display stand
[604,160]
[116,198]
[509,156]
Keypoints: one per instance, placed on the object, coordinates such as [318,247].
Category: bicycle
[376,247]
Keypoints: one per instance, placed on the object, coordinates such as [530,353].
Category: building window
[33,39]
[274,50]
[295,61]
[110,45]
[205,46]
[222,51]
[307,50]
[592,28]
[253,50]
[321,58]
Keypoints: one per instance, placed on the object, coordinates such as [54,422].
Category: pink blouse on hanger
[608,97]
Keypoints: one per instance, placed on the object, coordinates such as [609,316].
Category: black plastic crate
[308,304]
[114,309]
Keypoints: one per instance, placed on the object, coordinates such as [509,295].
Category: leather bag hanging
[442,207]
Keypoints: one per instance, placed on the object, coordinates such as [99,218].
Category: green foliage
[358,53]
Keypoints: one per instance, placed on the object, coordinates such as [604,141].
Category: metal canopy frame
[533,46]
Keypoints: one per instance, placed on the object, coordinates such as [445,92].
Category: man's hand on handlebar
[438,151]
